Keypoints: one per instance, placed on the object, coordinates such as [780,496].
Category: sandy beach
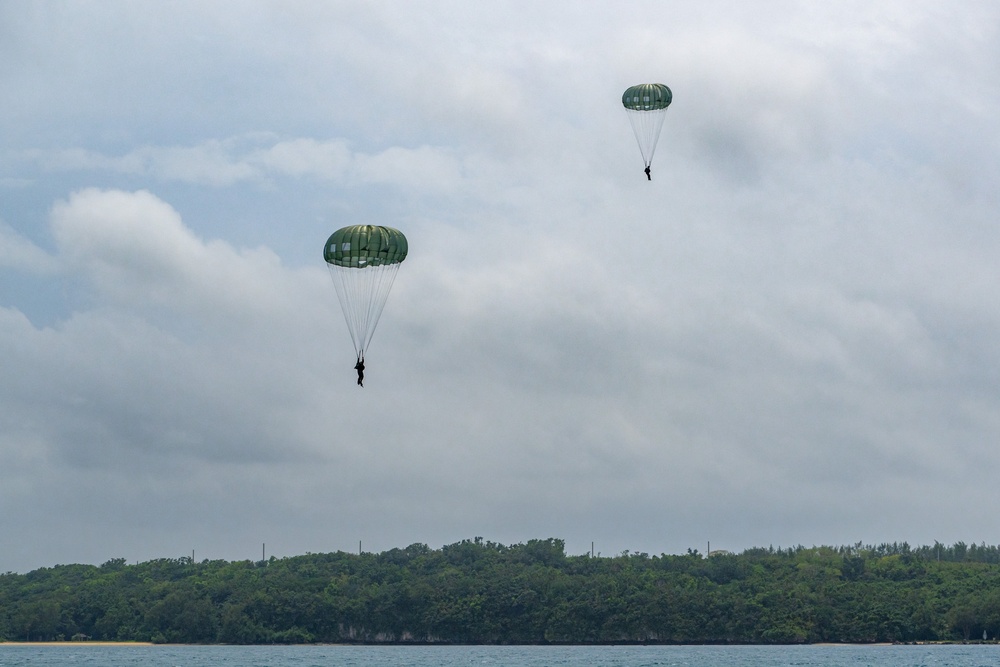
[75,644]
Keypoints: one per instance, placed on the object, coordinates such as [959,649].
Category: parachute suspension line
[382,279]
[646,105]
[647,126]
[363,293]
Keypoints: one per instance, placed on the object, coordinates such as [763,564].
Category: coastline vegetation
[481,592]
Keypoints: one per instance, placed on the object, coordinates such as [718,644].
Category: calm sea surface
[514,656]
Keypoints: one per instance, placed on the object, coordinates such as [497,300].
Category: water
[12,655]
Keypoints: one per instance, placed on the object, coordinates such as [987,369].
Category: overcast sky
[789,336]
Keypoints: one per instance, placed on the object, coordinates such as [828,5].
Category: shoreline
[73,643]
[817,644]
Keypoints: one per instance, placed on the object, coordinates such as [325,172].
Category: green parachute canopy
[647,97]
[646,105]
[363,262]
[359,246]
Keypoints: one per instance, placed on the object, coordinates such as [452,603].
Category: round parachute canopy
[363,261]
[647,97]
[359,246]
[646,105]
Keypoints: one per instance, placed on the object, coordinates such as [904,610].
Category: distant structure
[718,552]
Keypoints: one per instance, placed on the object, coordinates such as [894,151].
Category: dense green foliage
[482,592]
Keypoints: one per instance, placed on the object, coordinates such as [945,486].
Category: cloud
[17,252]
[135,250]
[169,361]
[259,159]
[792,323]
[305,157]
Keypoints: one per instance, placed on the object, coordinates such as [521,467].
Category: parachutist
[646,105]
[360,368]
[363,261]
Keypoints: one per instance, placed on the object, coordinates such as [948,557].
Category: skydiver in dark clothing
[360,368]
[648,177]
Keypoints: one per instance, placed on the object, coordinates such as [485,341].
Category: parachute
[646,105]
[363,262]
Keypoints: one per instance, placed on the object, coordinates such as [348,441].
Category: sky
[787,337]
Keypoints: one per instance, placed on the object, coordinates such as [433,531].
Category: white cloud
[136,250]
[240,159]
[424,169]
[305,157]
[17,252]
[800,305]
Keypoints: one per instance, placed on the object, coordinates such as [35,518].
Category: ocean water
[974,655]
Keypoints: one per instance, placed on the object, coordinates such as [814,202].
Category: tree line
[481,592]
